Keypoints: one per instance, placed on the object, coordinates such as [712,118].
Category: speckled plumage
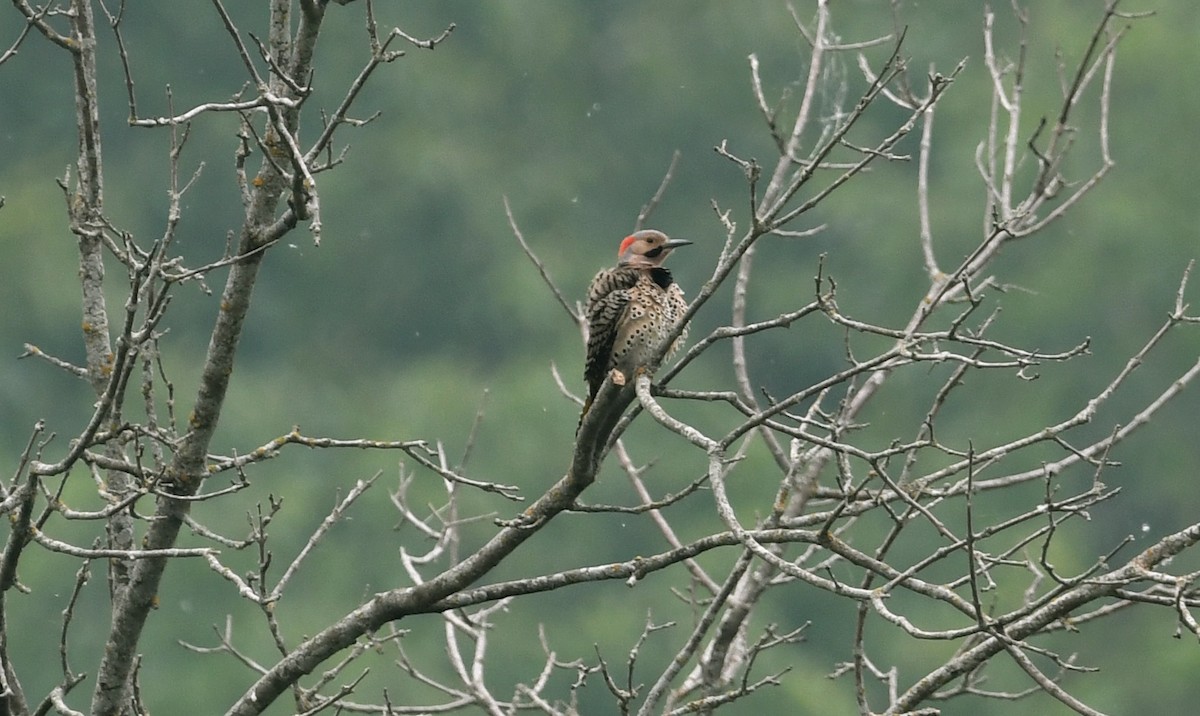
[631,309]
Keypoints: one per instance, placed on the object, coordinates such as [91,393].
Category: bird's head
[647,248]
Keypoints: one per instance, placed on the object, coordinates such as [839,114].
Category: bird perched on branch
[631,309]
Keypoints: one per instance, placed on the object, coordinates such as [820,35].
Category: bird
[631,309]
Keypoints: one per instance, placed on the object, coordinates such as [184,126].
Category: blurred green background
[418,307]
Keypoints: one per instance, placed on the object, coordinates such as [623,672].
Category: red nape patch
[625,245]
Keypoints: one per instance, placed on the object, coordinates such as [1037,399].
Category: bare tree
[836,510]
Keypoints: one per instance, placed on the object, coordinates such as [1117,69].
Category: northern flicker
[630,310]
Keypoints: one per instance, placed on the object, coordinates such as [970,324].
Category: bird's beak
[675,243]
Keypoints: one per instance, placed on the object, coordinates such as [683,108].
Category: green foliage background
[418,306]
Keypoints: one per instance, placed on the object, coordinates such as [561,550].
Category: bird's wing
[608,301]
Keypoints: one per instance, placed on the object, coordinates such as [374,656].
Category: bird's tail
[587,405]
